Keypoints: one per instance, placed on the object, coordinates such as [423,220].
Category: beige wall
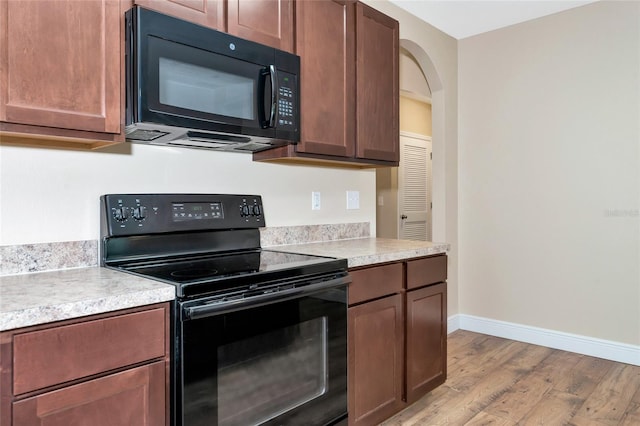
[415,116]
[550,173]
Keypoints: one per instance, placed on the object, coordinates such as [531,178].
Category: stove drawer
[60,354]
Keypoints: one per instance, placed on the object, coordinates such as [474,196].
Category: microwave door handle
[273,74]
[268,118]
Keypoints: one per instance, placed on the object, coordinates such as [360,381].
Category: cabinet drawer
[426,271]
[374,282]
[56,355]
[131,397]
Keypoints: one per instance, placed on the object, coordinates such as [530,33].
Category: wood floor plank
[520,399]
[611,398]
[582,379]
[555,408]
[494,385]
[475,367]
[632,414]
[494,381]
[486,419]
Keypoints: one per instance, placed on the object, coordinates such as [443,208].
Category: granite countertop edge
[369,251]
[46,297]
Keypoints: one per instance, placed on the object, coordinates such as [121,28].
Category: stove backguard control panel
[142,214]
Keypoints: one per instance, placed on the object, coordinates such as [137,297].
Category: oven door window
[283,363]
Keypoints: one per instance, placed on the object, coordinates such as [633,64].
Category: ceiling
[461,19]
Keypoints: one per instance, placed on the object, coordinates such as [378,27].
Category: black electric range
[275,318]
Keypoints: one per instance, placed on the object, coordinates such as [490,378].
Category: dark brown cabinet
[397,336]
[268,22]
[376,344]
[103,370]
[325,43]
[349,86]
[61,72]
[131,397]
[426,340]
[208,13]
[378,125]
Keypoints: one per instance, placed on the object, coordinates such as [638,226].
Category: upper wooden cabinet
[378,95]
[208,13]
[61,65]
[325,43]
[268,22]
[349,55]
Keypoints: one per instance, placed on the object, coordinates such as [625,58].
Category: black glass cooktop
[217,273]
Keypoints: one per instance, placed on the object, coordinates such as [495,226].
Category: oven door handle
[219,308]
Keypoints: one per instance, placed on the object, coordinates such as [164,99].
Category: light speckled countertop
[43,297]
[368,251]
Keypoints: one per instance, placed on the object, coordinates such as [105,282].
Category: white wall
[550,173]
[51,195]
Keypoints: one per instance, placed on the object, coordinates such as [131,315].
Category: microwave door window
[208,90]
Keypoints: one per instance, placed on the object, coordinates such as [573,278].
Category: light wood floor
[494,381]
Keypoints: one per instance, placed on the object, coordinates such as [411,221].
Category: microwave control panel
[287,101]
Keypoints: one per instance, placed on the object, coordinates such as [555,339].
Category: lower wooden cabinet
[426,340]
[109,369]
[376,360]
[131,397]
[397,336]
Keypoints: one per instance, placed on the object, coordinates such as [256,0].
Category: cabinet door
[378,136]
[375,365]
[268,22]
[208,13]
[61,64]
[426,340]
[132,397]
[325,41]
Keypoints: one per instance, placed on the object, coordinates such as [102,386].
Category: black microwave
[188,85]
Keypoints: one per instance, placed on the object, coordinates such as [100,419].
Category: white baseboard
[606,349]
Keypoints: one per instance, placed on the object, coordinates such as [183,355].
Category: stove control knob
[120,214]
[245,211]
[256,210]
[139,213]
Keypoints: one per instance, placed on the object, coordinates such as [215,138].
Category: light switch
[353,200]
[315,200]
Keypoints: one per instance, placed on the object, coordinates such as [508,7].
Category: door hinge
[431,155]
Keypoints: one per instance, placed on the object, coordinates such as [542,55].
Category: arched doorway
[422,103]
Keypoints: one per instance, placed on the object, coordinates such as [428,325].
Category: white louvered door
[414,187]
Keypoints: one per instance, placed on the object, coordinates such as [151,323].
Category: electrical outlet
[315,201]
[353,200]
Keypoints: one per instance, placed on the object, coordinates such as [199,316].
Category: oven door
[276,359]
